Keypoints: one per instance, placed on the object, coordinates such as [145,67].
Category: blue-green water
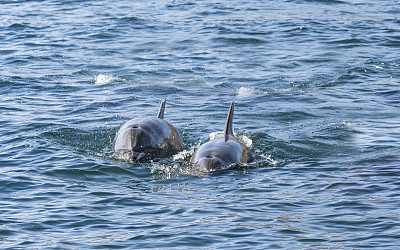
[317,92]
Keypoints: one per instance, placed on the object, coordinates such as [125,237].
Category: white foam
[102,79]
[269,160]
[346,125]
[248,91]
[216,135]
[246,140]
[241,137]
[377,67]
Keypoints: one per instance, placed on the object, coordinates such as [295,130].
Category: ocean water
[316,85]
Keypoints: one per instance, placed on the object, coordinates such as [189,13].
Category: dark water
[317,92]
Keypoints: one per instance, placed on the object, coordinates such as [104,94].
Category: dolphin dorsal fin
[162,109]
[228,126]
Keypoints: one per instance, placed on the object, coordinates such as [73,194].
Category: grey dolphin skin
[218,153]
[147,137]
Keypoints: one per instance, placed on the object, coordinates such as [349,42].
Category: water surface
[316,87]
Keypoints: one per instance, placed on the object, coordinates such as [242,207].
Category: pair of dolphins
[143,138]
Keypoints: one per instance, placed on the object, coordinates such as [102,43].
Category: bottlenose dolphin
[219,153]
[147,137]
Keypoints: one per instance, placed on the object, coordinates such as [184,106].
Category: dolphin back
[220,153]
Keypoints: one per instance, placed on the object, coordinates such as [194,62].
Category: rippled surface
[317,92]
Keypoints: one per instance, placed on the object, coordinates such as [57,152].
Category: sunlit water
[317,93]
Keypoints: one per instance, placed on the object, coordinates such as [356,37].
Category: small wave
[240,41]
[248,91]
[19,26]
[103,79]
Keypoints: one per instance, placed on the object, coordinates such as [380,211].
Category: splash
[246,140]
[183,155]
[268,160]
[216,135]
[241,137]
[103,79]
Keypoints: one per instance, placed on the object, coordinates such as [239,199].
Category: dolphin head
[136,141]
[140,138]
[146,137]
[218,155]
[210,163]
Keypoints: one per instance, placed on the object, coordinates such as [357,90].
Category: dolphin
[219,153]
[147,138]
